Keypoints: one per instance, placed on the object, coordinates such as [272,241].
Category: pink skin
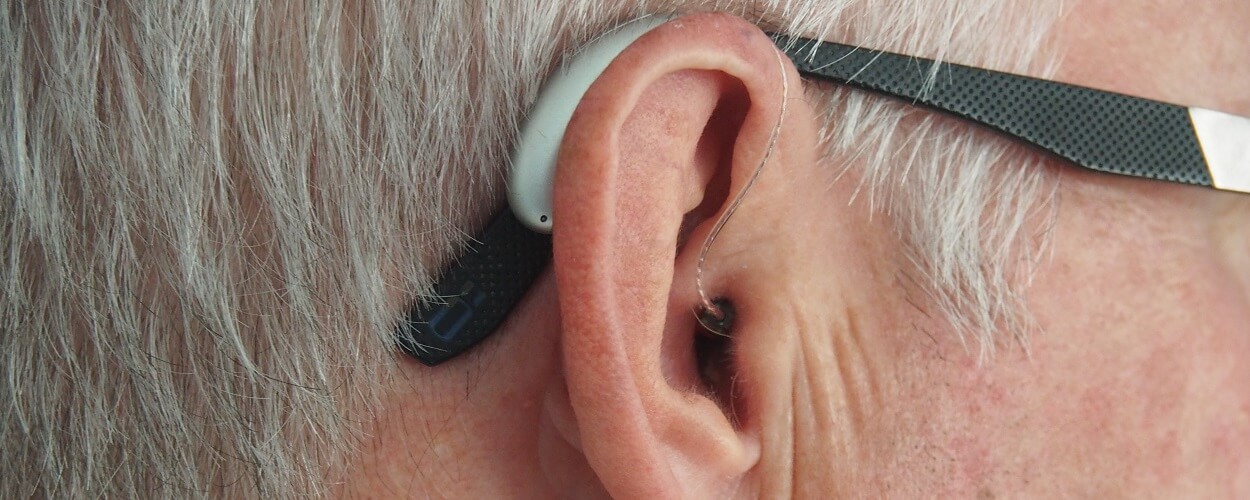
[1135,386]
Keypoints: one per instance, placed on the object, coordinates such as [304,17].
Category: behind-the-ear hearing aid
[534,159]
[1094,129]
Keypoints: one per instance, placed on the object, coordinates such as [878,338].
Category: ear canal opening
[715,360]
[719,318]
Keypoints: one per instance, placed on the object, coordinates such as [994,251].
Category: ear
[658,147]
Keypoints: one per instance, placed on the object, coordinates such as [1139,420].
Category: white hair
[213,213]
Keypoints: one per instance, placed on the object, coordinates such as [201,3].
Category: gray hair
[214,213]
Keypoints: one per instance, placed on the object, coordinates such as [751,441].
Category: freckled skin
[1134,383]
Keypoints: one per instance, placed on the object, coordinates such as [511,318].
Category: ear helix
[534,159]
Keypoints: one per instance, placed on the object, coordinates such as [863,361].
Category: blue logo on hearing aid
[450,318]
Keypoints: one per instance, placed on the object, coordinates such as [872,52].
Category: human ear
[658,147]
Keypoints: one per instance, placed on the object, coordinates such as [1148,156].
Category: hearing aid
[534,158]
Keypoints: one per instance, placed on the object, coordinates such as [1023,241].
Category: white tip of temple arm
[1225,142]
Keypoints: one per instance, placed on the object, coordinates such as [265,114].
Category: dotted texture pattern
[1095,129]
[476,294]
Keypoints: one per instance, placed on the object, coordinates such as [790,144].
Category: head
[214,218]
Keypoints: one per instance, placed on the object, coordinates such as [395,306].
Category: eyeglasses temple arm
[476,293]
[1095,129]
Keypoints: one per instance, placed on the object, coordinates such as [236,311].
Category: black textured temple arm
[477,292]
[1095,129]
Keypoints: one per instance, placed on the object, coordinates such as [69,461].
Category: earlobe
[686,108]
